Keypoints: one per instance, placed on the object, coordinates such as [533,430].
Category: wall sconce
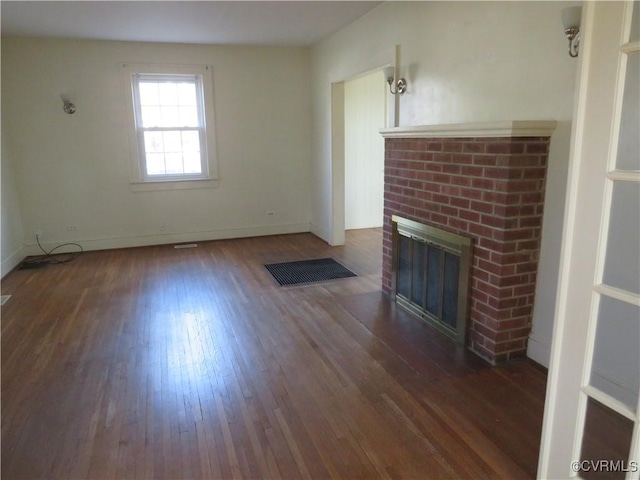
[571,23]
[67,105]
[401,84]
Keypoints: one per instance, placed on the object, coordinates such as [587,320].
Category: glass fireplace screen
[431,274]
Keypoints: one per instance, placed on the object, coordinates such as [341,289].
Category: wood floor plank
[162,363]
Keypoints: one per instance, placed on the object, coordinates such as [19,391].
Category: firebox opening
[430,275]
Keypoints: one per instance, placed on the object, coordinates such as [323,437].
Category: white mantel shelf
[516,128]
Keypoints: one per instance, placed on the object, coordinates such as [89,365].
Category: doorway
[373,170]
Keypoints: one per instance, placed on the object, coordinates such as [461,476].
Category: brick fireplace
[485,182]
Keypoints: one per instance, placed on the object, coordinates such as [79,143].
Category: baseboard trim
[170,238]
[319,232]
[539,350]
[12,261]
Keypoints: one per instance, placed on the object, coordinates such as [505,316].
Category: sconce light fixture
[401,84]
[67,105]
[571,24]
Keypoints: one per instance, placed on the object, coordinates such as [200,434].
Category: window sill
[153,186]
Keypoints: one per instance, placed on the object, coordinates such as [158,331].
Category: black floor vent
[308,271]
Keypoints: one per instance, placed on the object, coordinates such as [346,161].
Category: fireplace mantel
[515,128]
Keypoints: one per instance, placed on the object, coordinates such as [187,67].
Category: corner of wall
[319,232]
[539,350]
[12,261]
[13,249]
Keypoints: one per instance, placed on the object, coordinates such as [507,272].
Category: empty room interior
[360,239]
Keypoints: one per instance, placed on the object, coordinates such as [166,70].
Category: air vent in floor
[186,245]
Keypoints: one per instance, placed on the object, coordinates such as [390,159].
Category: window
[170,124]
[171,133]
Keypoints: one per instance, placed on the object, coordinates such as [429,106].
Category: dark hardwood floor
[163,363]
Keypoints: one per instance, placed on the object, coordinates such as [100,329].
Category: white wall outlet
[163,228]
[270,213]
[72,228]
[37,232]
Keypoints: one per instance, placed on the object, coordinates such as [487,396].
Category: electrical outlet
[163,228]
[72,228]
[37,232]
[270,213]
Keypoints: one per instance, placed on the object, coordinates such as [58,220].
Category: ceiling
[273,23]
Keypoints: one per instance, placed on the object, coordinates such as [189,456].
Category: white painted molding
[319,232]
[171,238]
[539,350]
[609,401]
[631,47]
[624,175]
[618,294]
[515,128]
[13,260]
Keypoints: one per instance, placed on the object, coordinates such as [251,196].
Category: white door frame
[605,28]
[337,164]
[337,230]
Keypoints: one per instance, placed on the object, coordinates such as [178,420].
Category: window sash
[195,80]
[166,176]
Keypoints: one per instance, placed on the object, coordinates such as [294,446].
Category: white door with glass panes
[595,361]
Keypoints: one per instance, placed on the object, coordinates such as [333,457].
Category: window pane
[187,94]
[155,164]
[170,117]
[168,93]
[174,163]
[153,142]
[635,24]
[606,443]
[623,255]
[192,163]
[191,142]
[172,142]
[149,94]
[151,117]
[188,117]
[629,141]
[616,369]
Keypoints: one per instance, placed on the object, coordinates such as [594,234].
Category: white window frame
[140,181]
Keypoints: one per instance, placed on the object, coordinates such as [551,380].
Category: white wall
[464,62]
[74,169]
[364,115]
[12,238]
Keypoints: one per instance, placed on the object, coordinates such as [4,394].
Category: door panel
[595,359]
